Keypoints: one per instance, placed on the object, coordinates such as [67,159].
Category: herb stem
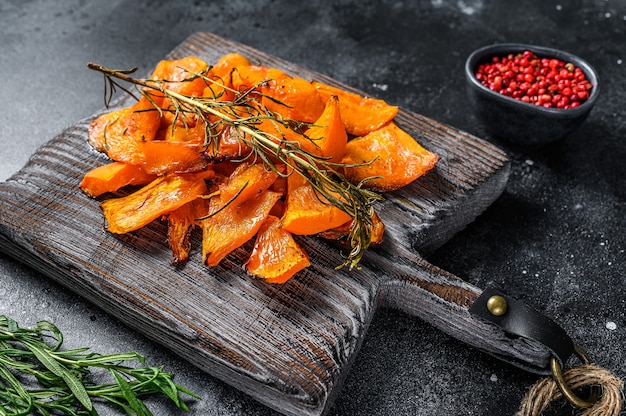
[38,378]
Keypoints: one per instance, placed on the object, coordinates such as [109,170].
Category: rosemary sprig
[36,376]
[244,113]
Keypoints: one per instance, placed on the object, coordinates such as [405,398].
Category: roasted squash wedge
[116,133]
[113,176]
[231,225]
[388,158]
[161,196]
[247,181]
[180,224]
[328,132]
[361,115]
[306,212]
[276,256]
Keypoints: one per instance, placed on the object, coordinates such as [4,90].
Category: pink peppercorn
[546,82]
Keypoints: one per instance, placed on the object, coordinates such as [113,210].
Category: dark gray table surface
[555,238]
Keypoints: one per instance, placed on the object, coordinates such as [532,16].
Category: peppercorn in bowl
[530,94]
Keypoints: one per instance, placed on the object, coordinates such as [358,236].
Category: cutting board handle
[418,288]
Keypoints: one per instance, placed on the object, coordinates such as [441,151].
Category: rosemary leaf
[20,392]
[130,396]
[167,386]
[45,326]
[97,360]
[57,369]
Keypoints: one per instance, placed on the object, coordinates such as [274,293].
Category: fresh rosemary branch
[323,175]
[37,377]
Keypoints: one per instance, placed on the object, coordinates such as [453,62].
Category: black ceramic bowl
[519,122]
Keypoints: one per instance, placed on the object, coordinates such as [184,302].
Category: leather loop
[520,320]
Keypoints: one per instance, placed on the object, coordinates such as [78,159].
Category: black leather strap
[523,321]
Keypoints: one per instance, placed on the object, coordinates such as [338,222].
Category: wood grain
[290,346]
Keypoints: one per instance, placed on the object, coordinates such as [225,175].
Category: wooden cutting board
[290,346]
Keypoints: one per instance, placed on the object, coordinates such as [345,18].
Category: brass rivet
[497,305]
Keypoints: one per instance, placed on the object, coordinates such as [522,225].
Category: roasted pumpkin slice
[159,197]
[119,130]
[180,75]
[390,156]
[226,64]
[248,76]
[220,80]
[113,176]
[193,132]
[328,132]
[247,181]
[227,144]
[308,213]
[180,224]
[161,157]
[231,225]
[360,115]
[293,98]
[276,256]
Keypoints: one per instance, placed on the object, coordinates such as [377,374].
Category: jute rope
[546,391]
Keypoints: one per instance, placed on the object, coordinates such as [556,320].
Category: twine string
[546,391]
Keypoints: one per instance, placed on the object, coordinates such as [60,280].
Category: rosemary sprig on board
[244,113]
[37,377]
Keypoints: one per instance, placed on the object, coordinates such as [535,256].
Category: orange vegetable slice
[180,224]
[155,156]
[307,213]
[293,98]
[247,181]
[276,256]
[221,73]
[226,64]
[361,115]
[233,225]
[227,145]
[161,157]
[193,132]
[159,197]
[389,155]
[121,129]
[249,76]
[328,132]
[113,176]
[176,75]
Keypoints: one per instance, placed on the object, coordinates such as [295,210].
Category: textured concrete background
[555,238]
